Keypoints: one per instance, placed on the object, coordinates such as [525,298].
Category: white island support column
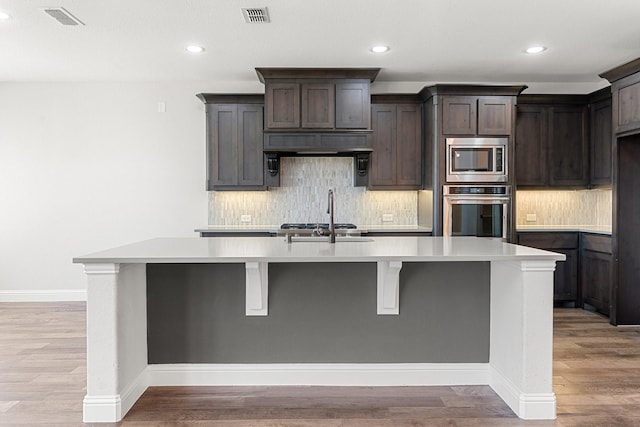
[116,339]
[521,337]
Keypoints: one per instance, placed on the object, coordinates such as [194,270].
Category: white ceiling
[432,41]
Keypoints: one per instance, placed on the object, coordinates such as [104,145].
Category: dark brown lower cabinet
[565,279]
[596,264]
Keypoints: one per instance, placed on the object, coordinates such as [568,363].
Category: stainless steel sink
[326,239]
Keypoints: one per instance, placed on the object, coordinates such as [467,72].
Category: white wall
[88,166]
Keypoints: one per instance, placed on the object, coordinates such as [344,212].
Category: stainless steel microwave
[477,159]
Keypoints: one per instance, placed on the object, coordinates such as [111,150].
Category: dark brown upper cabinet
[625,89]
[552,146]
[318,105]
[473,115]
[601,138]
[353,105]
[531,146]
[283,105]
[396,142]
[568,146]
[309,99]
[235,158]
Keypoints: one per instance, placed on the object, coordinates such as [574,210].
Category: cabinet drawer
[596,243]
[549,240]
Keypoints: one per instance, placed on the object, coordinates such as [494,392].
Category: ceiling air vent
[63,16]
[255,15]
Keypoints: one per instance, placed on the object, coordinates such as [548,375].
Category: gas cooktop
[315,225]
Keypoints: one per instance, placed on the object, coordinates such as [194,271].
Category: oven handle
[458,200]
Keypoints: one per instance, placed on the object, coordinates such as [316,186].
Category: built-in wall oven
[476,210]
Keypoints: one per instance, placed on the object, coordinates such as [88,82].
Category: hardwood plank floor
[42,383]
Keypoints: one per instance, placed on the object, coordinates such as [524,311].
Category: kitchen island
[370,311]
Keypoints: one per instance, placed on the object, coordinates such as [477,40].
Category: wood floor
[42,383]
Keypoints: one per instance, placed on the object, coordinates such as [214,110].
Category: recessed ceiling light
[4,16]
[194,49]
[535,49]
[379,49]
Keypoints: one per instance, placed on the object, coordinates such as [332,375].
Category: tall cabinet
[625,295]
[463,111]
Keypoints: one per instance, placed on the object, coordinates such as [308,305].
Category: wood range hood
[318,112]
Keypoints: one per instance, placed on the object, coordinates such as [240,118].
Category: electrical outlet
[245,218]
[531,217]
[387,217]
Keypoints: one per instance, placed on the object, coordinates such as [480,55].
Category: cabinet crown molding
[231,98]
[622,71]
[317,73]
[478,90]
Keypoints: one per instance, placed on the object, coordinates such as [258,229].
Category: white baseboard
[53,295]
[528,406]
[329,374]
[114,408]
[96,409]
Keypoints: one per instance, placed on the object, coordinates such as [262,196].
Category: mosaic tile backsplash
[302,197]
[585,207]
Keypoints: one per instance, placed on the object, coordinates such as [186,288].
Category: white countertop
[275,249]
[275,228]
[598,229]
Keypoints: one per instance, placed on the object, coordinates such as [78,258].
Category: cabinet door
[568,146]
[223,145]
[459,115]
[565,278]
[283,105]
[531,146]
[596,279]
[626,108]
[318,105]
[601,140]
[494,115]
[353,105]
[382,171]
[250,145]
[409,146]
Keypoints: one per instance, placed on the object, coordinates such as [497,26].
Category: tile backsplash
[584,207]
[302,197]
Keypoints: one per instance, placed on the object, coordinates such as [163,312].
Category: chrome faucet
[332,227]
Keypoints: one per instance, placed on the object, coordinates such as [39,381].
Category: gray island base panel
[319,313]
[388,311]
